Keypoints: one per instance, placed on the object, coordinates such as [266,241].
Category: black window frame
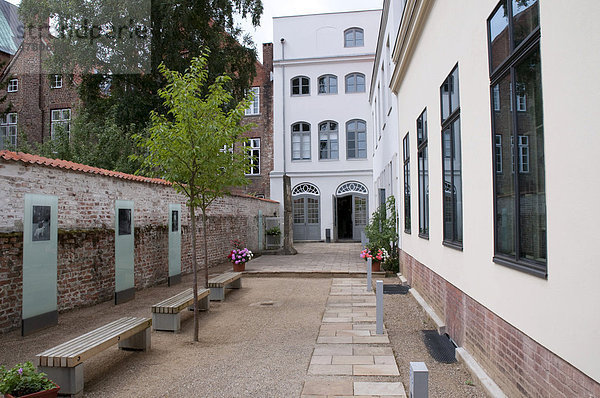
[406,157]
[301,85]
[422,153]
[506,68]
[448,122]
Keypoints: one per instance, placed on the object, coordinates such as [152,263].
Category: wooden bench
[64,363]
[166,315]
[218,284]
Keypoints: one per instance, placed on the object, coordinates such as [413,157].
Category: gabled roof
[11,28]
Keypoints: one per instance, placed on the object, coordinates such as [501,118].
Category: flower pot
[375,266]
[53,393]
[239,267]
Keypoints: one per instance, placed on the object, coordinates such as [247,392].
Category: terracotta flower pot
[53,393]
[239,267]
[375,265]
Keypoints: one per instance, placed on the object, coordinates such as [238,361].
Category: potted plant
[273,235]
[239,256]
[382,235]
[25,382]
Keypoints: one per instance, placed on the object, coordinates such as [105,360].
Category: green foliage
[275,231]
[189,145]
[179,32]
[382,233]
[23,379]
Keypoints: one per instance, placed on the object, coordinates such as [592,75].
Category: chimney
[268,56]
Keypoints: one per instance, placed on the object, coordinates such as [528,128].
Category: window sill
[356,159]
[355,92]
[300,95]
[424,236]
[252,114]
[329,160]
[453,245]
[528,268]
[301,160]
[326,93]
[407,232]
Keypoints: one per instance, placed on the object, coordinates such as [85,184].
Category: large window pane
[526,17]
[457,178]
[531,176]
[505,192]
[499,40]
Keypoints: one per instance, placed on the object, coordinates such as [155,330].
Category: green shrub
[23,379]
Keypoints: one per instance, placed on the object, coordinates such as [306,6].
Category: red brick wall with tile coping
[519,365]
[86,232]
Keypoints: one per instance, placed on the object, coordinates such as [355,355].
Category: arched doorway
[352,209]
[306,211]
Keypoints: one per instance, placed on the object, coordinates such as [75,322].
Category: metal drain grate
[439,346]
[395,289]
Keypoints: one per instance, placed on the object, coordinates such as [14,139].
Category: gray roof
[11,28]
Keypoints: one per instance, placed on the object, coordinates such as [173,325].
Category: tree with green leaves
[114,48]
[191,145]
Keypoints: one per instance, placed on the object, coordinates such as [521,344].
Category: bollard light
[379,310]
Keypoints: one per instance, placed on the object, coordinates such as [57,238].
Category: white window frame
[496,91]
[57,117]
[253,146]
[56,81]
[303,137]
[332,139]
[354,78]
[352,42]
[523,154]
[498,153]
[254,108]
[355,124]
[8,130]
[328,84]
[13,86]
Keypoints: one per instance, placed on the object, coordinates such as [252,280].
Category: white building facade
[322,121]
[496,128]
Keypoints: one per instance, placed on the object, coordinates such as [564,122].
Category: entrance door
[307,224]
[359,215]
[344,214]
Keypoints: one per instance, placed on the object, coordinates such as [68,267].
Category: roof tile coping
[65,164]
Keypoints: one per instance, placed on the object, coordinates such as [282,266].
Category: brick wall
[260,184]
[86,232]
[519,365]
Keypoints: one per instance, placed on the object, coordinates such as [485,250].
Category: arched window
[300,85]
[355,83]
[300,141]
[351,187]
[356,139]
[354,37]
[305,188]
[328,140]
[328,84]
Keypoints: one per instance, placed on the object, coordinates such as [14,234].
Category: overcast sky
[280,8]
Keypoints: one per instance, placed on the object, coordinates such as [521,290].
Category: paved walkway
[315,258]
[350,359]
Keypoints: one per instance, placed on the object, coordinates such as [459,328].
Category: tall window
[423,175]
[253,147]
[520,189]
[328,140]
[8,131]
[56,81]
[13,85]
[60,118]
[354,37]
[406,155]
[300,141]
[451,161]
[300,85]
[355,83]
[328,84]
[356,139]
[254,108]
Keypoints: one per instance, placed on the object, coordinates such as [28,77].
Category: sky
[281,8]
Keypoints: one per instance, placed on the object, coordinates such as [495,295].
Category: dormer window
[56,81]
[354,37]
[301,85]
[13,85]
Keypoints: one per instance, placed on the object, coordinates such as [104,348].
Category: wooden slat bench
[64,363]
[166,315]
[218,284]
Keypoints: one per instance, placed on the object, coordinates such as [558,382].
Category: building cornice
[380,40]
[317,60]
[413,20]
[336,173]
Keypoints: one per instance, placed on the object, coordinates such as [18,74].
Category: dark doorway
[344,213]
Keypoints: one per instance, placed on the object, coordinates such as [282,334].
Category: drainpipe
[283,101]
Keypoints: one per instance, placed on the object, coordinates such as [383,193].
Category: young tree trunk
[194,270]
[205,248]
